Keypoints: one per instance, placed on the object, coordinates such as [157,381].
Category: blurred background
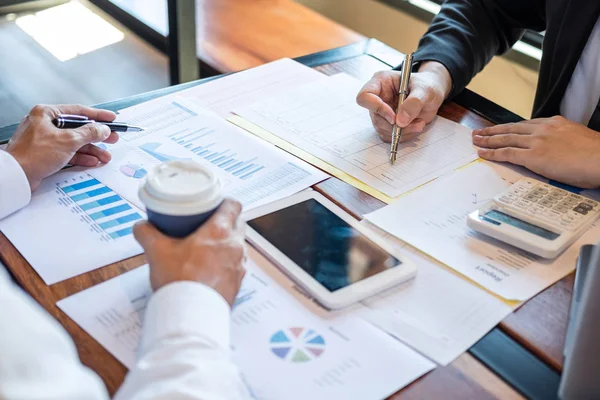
[94,51]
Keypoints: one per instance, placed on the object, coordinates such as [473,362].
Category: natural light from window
[69,30]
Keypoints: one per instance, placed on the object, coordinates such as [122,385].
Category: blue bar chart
[104,209]
[204,142]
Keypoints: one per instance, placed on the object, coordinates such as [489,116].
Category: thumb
[91,133]
[147,235]
[412,107]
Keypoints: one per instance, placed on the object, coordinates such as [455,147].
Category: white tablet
[326,250]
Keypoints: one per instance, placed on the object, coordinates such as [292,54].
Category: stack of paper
[439,313]
[322,123]
[285,348]
[83,219]
[433,219]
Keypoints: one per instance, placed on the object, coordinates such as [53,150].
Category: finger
[90,133]
[113,138]
[225,219]
[84,160]
[500,141]
[412,106]
[520,128]
[416,126]
[92,113]
[375,104]
[381,124]
[147,235]
[101,154]
[507,154]
[383,127]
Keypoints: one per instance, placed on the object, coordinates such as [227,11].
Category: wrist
[442,74]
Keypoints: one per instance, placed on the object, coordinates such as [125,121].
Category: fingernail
[476,132]
[390,119]
[476,138]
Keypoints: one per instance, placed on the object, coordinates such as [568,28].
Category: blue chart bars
[199,142]
[105,210]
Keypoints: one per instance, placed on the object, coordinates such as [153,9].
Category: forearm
[38,360]
[184,350]
[466,34]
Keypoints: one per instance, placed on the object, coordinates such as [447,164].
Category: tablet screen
[324,245]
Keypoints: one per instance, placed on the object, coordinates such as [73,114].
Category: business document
[284,349]
[323,120]
[439,313]
[249,170]
[223,94]
[73,224]
[434,220]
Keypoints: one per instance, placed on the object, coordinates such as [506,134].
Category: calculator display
[497,217]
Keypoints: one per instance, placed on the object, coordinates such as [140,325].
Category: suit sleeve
[466,34]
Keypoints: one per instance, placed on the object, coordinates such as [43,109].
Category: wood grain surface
[539,324]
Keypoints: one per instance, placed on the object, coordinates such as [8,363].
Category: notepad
[322,120]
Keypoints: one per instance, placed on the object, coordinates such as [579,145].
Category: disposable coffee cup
[180,196]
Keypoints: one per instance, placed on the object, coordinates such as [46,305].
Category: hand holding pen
[428,89]
[69,121]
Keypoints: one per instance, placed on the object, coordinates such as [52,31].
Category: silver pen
[402,94]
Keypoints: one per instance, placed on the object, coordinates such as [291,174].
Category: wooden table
[524,350]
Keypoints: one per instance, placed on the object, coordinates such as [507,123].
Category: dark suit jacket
[466,34]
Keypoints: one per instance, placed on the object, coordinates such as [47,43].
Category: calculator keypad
[554,206]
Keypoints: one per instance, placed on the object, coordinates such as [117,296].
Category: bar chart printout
[249,170]
[80,224]
[225,158]
[106,212]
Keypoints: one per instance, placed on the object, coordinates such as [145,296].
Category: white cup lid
[181,188]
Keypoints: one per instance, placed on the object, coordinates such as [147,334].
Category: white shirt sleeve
[184,351]
[15,192]
[38,360]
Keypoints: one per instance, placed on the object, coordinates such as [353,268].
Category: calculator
[536,217]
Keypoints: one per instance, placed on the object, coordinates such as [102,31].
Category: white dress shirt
[184,352]
[583,93]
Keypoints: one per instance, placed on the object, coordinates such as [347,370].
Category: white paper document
[224,94]
[250,170]
[74,224]
[324,120]
[283,349]
[439,314]
[434,220]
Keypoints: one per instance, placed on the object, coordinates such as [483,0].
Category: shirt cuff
[186,309]
[15,192]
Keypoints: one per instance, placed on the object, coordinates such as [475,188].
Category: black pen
[76,121]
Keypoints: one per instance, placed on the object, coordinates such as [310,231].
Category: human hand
[213,255]
[555,148]
[427,90]
[42,149]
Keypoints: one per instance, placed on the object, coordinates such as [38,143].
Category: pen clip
[73,117]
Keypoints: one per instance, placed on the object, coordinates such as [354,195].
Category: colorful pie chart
[133,171]
[297,345]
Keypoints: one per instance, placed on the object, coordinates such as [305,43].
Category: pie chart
[297,344]
[133,171]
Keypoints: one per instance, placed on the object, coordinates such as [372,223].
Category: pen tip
[392,158]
